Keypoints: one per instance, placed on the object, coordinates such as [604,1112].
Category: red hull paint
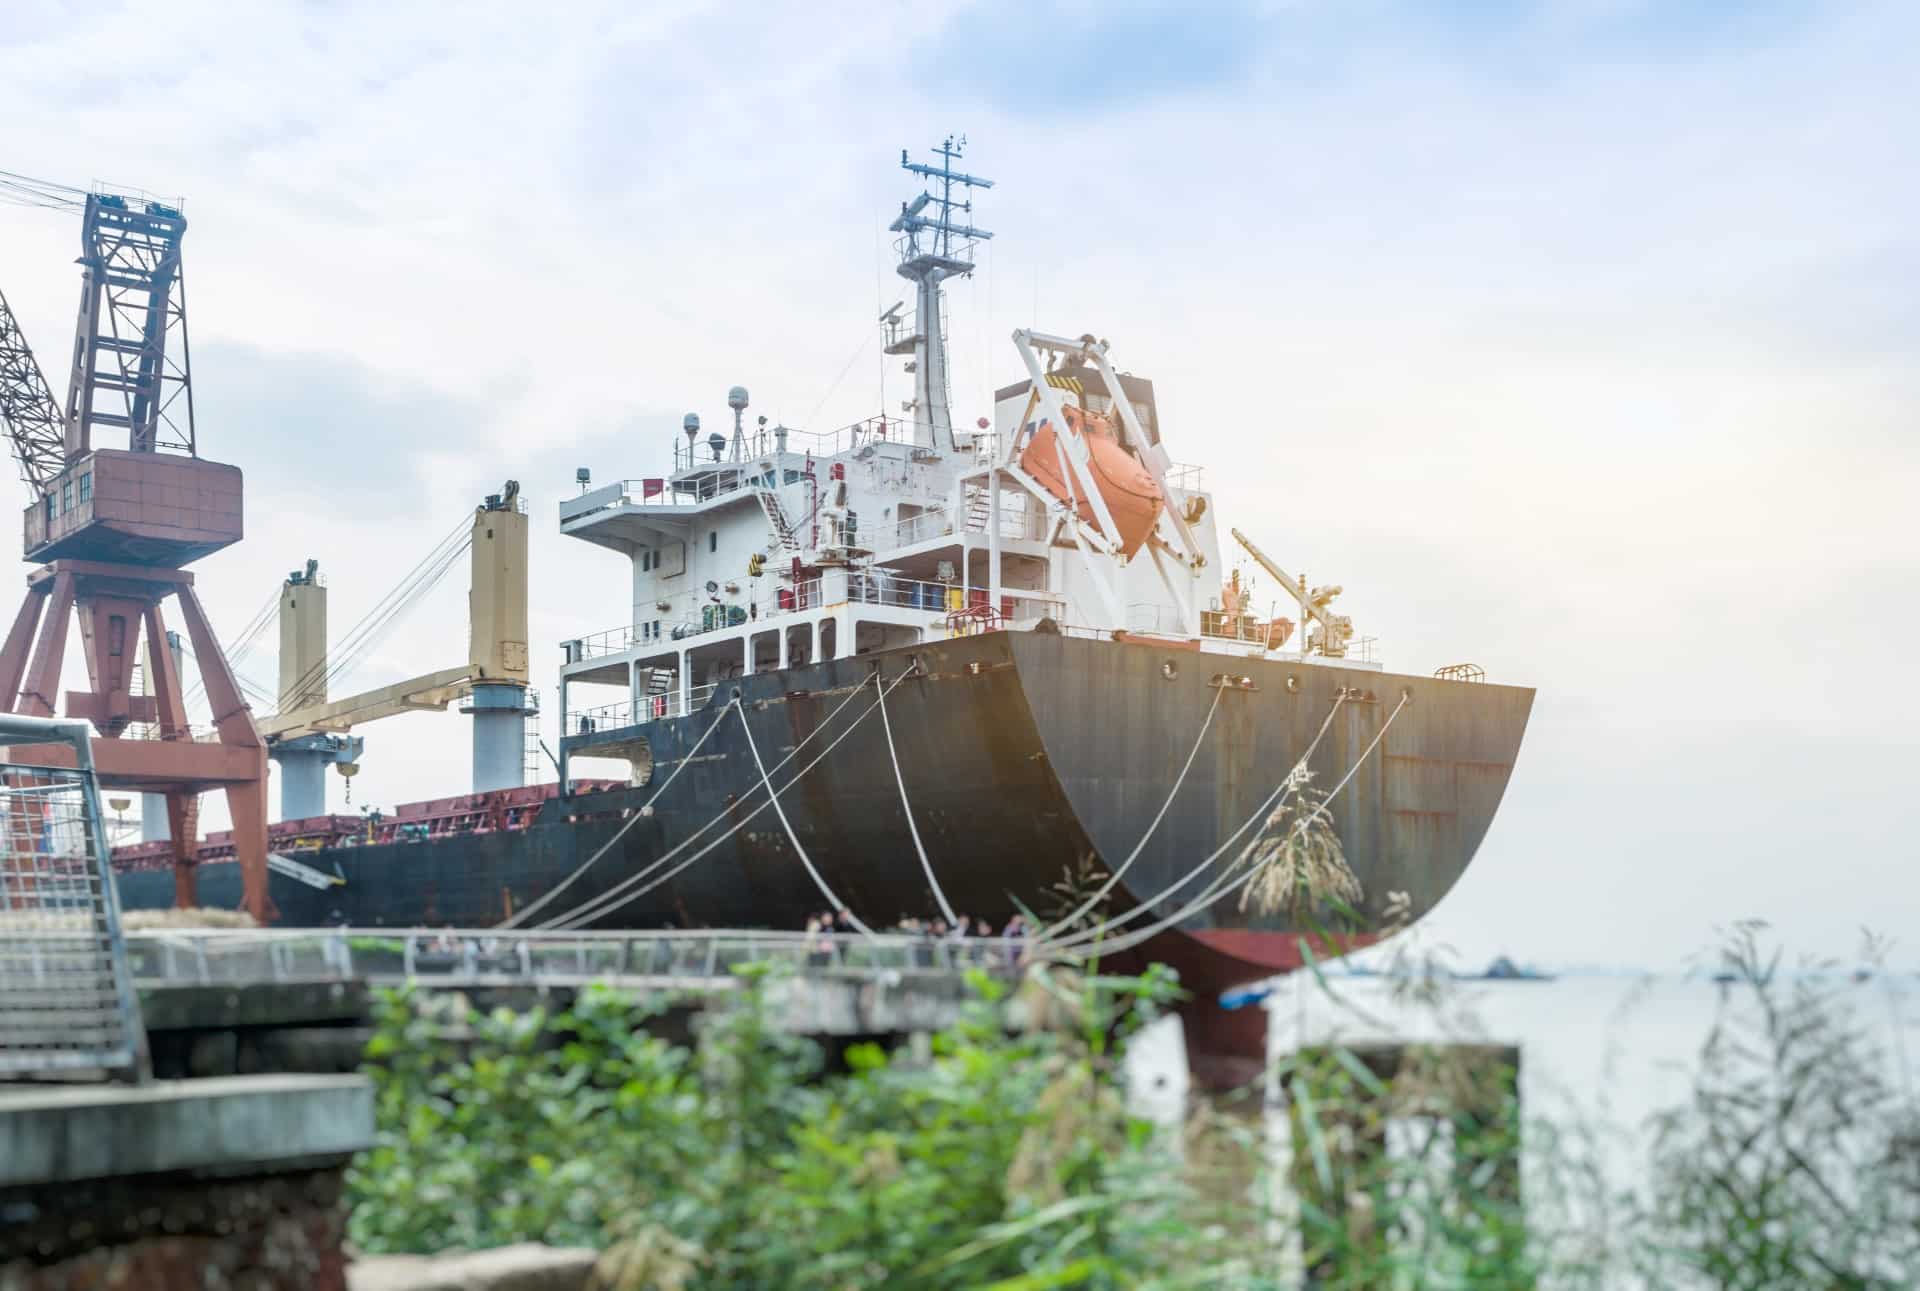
[1227,1048]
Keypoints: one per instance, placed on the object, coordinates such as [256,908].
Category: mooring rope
[1278,796]
[616,897]
[1141,846]
[646,809]
[593,907]
[773,796]
[1209,898]
[912,828]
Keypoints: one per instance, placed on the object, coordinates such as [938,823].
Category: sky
[1576,338]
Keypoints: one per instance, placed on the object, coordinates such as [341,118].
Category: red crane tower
[112,530]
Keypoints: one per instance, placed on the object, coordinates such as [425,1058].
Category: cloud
[1575,338]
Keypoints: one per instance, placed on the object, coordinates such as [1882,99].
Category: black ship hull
[1024,755]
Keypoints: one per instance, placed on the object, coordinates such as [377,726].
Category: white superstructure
[765,548]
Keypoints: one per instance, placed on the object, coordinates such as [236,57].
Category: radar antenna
[933,247]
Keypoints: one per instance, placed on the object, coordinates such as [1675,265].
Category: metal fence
[508,956]
[66,995]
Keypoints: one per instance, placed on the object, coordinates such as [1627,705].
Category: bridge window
[86,487]
[713,540]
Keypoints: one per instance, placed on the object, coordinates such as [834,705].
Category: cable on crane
[387,611]
[24,190]
[377,618]
[251,692]
[239,645]
[1120,873]
[613,899]
[1211,897]
[364,648]
[404,597]
[1272,800]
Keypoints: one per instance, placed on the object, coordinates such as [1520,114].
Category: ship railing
[645,708]
[1033,606]
[879,587]
[684,615]
[933,523]
[701,472]
[1151,616]
[938,522]
[1186,477]
[1231,627]
[864,587]
[596,644]
[585,721]
[383,956]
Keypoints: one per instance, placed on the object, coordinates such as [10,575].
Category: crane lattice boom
[28,409]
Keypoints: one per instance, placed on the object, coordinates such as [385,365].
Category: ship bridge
[780,547]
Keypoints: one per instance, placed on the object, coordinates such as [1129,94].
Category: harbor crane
[1331,632]
[111,531]
[310,731]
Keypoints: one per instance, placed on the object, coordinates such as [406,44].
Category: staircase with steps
[979,510]
[777,517]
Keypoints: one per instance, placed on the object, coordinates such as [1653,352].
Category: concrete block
[230,1123]
[526,1266]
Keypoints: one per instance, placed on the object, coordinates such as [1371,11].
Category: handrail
[864,587]
[645,708]
[204,956]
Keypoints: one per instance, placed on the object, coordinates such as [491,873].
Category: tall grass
[1010,1159]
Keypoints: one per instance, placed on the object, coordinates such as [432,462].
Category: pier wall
[162,1186]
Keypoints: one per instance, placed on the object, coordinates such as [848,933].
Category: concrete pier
[160,1185]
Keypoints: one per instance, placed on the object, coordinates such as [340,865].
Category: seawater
[1603,1052]
[1601,1055]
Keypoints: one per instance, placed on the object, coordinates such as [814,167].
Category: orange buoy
[1132,496]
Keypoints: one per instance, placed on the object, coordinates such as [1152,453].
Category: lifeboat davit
[1132,496]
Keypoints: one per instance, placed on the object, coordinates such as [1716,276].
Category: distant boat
[1503,969]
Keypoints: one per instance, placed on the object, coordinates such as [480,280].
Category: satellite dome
[737,398]
[690,422]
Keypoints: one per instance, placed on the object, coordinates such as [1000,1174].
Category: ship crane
[1331,632]
[311,732]
[112,530]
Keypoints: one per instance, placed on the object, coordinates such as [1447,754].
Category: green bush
[1008,1161]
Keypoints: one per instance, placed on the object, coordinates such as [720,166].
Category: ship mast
[933,247]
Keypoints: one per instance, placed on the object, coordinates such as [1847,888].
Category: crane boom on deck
[312,730]
[1331,635]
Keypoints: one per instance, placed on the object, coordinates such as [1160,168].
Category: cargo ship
[909,669]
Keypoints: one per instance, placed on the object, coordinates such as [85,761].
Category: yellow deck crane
[311,731]
[1330,632]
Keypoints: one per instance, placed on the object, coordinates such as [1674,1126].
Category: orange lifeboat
[1132,497]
